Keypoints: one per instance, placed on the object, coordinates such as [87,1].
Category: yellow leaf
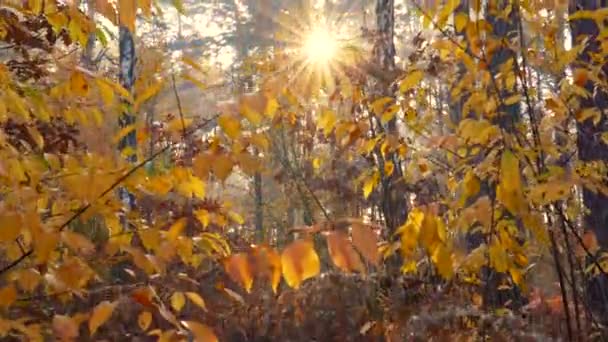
[203,216]
[196,299]
[443,261]
[411,80]
[8,295]
[389,113]
[78,84]
[470,186]
[77,242]
[200,331]
[366,242]
[150,238]
[447,9]
[35,6]
[123,133]
[460,21]
[146,7]
[342,252]
[251,115]
[512,99]
[498,257]
[101,313]
[239,270]
[191,186]
[260,141]
[299,262]
[126,11]
[10,226]
[327,121]
[271,107]
[176,229]
[222,166]
[379,104]
[248,163]
[106,90]
[428,236]
[370,183]
[230,125]
[389,167]
[144,320]
[147,93]
[409,267]
[65,328]
[178,300]
[509,191]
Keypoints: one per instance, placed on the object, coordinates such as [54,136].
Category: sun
[320,46]
[317,48]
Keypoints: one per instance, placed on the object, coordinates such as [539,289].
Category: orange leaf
[143,296]
[8,294]
[342,252]
[299,261]
[101,313]
[268,264]
[126,11]
[366,242]
[239,269]
[201,332]
[65,328]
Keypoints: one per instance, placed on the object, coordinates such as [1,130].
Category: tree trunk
[127,118]
[394,203]
[591,148]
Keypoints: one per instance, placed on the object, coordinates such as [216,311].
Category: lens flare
[320,46]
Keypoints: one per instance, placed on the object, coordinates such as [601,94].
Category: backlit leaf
[299,262]
[239,270]
[327,121]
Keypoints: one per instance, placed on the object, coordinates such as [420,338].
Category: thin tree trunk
[127,117]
